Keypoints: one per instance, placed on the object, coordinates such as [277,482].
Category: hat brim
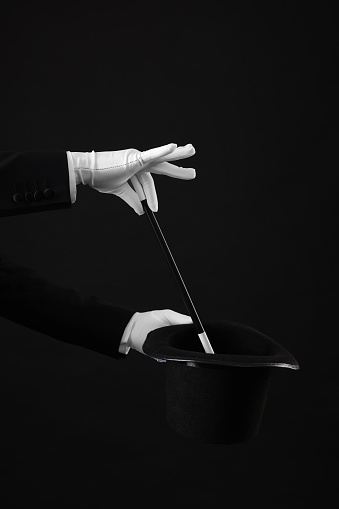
[234,344]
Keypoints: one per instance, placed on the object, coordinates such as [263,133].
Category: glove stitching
[108,168]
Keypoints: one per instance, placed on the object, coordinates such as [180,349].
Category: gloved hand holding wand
[109,172]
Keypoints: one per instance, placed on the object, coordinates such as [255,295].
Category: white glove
[109,172]
[142,323]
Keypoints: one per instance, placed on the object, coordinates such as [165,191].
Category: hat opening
[232,341]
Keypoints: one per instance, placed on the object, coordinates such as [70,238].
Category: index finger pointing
[156,153]
[179,153]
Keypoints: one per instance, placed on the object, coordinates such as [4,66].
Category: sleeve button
[17,197]
[48,193]
[28,196]
[38,195]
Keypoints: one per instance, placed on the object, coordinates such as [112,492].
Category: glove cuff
[82,162]
[126,342]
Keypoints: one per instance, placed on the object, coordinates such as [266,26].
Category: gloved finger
[147,182]
[179,153]
[176,318]
[155,153]
[138,188]
[171,170]
[126,193]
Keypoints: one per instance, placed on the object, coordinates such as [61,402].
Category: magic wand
[175,271]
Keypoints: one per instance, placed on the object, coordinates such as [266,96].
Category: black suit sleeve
[62,313]
[33,181]
[37,181]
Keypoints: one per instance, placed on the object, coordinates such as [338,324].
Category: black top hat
[220,397]
[214,397]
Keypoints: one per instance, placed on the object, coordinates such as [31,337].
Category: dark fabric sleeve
[33,181]
[63,313]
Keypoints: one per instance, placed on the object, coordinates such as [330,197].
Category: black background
[255,90]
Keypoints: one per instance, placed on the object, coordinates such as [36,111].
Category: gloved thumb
[176,318]
[147,321]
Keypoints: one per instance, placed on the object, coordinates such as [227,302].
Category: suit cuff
[72,182]
[125,344]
